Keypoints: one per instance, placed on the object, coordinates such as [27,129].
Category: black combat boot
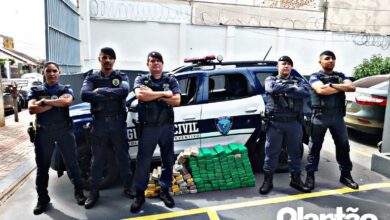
[310,180]
[79,195]
[166,198]
[43,201]
[346,179]
[267,184]
[297,183]
[128,188]
[92,198]
[137,203]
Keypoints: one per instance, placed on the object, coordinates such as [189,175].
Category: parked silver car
[367,106]
[9,102]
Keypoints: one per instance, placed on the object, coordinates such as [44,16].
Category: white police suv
[221,102]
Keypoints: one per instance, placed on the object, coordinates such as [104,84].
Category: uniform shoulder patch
[38,88]
[271,77]
[34,88]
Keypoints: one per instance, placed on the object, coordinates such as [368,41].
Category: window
[228,87]
[189,88]
[261,76]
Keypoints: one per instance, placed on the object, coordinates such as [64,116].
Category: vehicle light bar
[199,59]
[370,100]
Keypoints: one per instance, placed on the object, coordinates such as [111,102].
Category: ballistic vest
[112,107]
[55,114]
[334,101]
[156,112]
[278,103]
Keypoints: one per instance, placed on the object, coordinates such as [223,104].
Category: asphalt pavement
[329,197]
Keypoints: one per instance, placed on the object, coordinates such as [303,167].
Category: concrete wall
[180,29]
[368,16]
[133,40]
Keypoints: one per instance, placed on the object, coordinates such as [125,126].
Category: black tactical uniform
[108,127]
[328,113]
[156,120]
[54,127]
[284,110]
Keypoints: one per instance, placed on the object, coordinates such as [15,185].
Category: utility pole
[325,6]
[14,92]
[2,117]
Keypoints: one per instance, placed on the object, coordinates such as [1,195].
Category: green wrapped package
[208,153]
[228,151]
[213,154]
[242,148]
[222,167]
[200,155]
[235,148]
[219,149]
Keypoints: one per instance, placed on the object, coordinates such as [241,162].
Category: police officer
[328,102]
[50,102]
[284,110]
[157,93]
[107,90]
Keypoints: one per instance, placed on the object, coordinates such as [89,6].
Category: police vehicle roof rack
[209,61]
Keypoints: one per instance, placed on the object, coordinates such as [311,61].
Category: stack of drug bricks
[153,187]
[221,168]
[182,182]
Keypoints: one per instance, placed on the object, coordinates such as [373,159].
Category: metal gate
[62,34]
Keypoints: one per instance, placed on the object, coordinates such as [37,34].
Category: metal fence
[62,34]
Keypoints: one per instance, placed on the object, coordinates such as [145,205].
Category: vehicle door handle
[189,117]
[251,109]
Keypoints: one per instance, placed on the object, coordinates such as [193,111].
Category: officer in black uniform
[284,110]
[157,93]
[50,102]
[328,102]
[107,90]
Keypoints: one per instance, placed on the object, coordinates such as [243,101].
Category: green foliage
[376,65]
[2,61]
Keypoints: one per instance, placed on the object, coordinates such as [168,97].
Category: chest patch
[115,82]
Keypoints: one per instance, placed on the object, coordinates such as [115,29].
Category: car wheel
[110,172]
[283,158]
[256,154]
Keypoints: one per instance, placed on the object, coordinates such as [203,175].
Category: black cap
[287,59]
[155,55]
[108,51]
[328,53]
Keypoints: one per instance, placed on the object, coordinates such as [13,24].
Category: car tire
[110,171]
[283,158]
[256,154]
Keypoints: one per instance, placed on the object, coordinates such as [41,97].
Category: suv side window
[261,76]
[189,88]
[225,87]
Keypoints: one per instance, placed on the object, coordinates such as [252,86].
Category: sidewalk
[16,154]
